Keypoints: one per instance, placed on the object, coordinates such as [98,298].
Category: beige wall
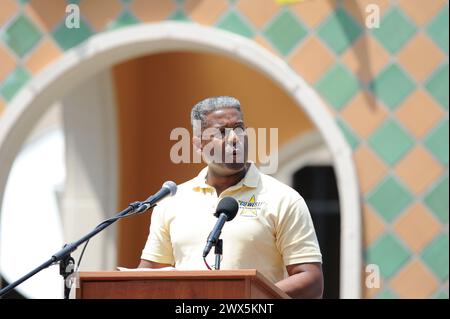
[154,95]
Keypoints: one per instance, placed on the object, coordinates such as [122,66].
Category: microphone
[168,188]
[226,210]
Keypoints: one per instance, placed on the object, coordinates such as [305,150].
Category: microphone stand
[66,262]
[218,252]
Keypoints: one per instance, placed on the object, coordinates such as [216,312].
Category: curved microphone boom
[226,210]
[168,188]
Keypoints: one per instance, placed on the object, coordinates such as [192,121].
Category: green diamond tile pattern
[438,29]
[125,19]
[389,254]
[234,23]
[435,256]
[387,294]
[441,295]
[389,199]
[437,142]
[68,38]
[285,32]
[349,135]
[21,35]
[392,86]
[437,200]
[13,83]
[339,31]
[390,142]
[437,85]
[394,31]
[179,16]
[338,86]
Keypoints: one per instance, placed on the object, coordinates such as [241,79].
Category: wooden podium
[177,284]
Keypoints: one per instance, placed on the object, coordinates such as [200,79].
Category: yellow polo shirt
[272,229]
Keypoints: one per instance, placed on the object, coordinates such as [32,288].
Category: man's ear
[197,143]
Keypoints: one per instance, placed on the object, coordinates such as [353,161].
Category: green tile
[437,85]
[21,35]
[390,142]
[13,83]
[125,19]
[441,295]
[387,294]
[179,15]
[234,23]
[437,142]
[338,86]
[389,199]
[438,29]
[339,31]
[394,31]
[392,86]
[435,256]
[437,200]
[389,254]
[349,135]
[285,32]
[68,38]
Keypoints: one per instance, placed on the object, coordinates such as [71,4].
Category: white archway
[107,49]
[305,149]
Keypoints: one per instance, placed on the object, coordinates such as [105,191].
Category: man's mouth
[234,151]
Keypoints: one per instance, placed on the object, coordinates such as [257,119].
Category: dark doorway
[317,185]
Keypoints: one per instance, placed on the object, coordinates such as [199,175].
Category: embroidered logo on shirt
[250,208]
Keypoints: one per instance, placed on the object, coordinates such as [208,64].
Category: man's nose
[232,137]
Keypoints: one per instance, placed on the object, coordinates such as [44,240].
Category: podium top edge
[107,275]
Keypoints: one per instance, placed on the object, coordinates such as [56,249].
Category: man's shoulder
[275,187]
[184,189]
[187,186]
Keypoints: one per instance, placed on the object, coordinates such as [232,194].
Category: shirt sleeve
[158,247]
[296,238]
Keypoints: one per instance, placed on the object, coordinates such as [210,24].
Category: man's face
[224,143]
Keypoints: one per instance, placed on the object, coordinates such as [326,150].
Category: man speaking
[272,230]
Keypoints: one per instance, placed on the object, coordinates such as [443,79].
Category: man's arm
[151,264]
[304,281]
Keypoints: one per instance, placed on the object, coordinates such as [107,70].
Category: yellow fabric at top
[272,229]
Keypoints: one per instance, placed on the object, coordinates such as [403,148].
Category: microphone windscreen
[229,206]
[171,186]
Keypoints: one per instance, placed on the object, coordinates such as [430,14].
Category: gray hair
[211,104]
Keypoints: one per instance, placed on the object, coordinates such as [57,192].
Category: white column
[90,195]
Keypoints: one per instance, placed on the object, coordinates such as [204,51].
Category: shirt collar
[251,179]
